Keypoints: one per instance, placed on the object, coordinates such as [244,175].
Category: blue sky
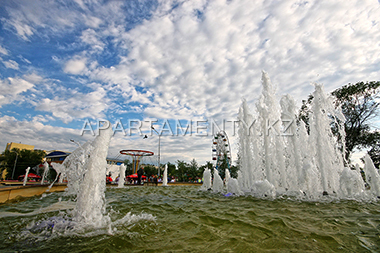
[65,62]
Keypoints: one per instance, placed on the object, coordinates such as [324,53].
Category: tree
[305,111]
[193,172]
[234,171]
[359,103]
[128,167]
[181,172]
[374,153]
[150,170]
[25,158]
[171,169]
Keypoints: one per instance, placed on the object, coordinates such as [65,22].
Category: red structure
[136,154]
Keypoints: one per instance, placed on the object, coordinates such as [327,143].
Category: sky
[65,66]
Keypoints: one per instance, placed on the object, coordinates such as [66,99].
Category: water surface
[184,219]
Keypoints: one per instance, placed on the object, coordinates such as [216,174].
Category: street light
[14,166]
[76,143]
[159,144]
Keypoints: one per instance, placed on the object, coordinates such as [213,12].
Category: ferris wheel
[221,150]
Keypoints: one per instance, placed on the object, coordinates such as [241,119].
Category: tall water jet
[90,206]
[85,170]
[26,176]
[227,178]
[372,176]
[328,159]
[278,156]
[46,170]
[351,184]
[268,119]
[122,168]
[217,184]
[165,178]
[206,179]
[73,168]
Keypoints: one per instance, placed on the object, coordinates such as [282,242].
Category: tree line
[182,171]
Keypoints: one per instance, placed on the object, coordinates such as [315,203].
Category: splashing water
[217,184]
[207,184]
[90,205]
[165,178]
[46,171]
[85,171]
[373,177]
[26,176]
[122,168]
[279,157]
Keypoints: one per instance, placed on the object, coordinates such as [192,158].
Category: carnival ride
[221,150]
[136,156]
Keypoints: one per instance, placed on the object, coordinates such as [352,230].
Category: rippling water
[182,218]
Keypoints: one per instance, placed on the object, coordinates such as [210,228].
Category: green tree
[208,165]
[181,172]
[234,171]
[128,167]
[192,170]
[374,153]
[305,112]
[150,170]
[359,103]
[171,169]
[25,158]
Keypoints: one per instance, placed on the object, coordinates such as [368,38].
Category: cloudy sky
[64,64]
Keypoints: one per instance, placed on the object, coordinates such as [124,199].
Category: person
[140,172]
[155,180]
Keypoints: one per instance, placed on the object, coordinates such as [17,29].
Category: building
[56,156]
[20,146]
[11,146]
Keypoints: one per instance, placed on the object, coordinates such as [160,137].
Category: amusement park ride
[221,151]
[136,156]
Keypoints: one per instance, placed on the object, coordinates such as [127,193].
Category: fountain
[122,168]
[165,178]
[85,171]
[217,184]
[207,180]
[279,157]
[26,176]
[261,203]
[372,176]
[46,171]
[90,205]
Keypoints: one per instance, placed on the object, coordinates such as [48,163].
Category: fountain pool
[262,210]
[184,218]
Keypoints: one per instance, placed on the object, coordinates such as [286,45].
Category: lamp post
[14,166]
[76,143]
[159,145]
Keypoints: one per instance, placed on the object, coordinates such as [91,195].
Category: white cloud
[33,78]
[200,58]
[90,37]
[92,21]
[3,51]
[36,133]
[76,105]
[11,64]
[23,30]
[50,18]
[206,64]
[12,88]
[75,66]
